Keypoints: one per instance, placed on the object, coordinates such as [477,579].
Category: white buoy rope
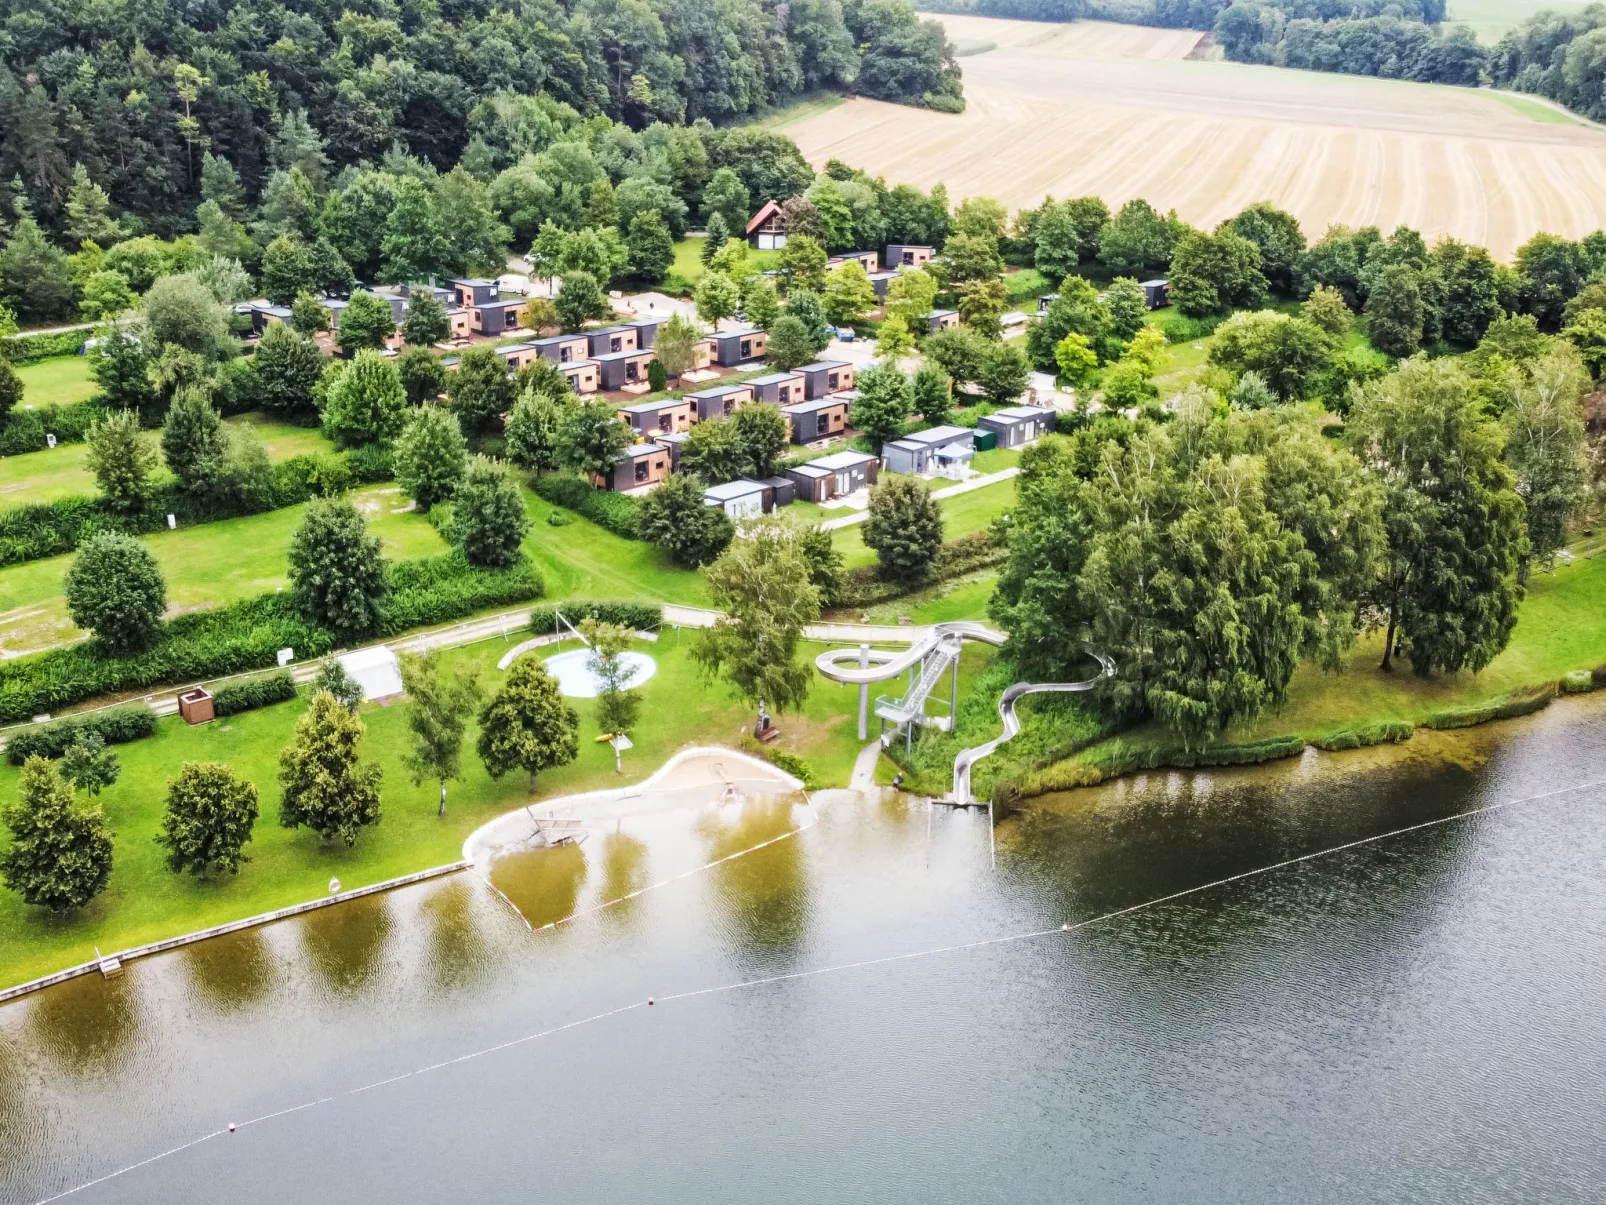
[837,968]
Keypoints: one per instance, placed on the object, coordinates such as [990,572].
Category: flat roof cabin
[494,317]
[940,450]
[835,475]
[583,375]
[666,417]
[736,347]
[472,291]
[1017,426]
[826,376]
[942,320]
[879,282]
[1157,293]
[646,330]
[907,255]
[612,339]
[740,499]
[562,349]
[620,368]
[868,260]
[638,466]
[1046,300]
[720,401]
[820,419]
[782,388]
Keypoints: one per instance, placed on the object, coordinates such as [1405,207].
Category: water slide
[934,650]
[1006,712]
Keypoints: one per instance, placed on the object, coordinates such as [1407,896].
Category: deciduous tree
[884,404]
[89,765]
[481,388]
[526,724]
[431,456]
[580,300]
[437,716]
[676,519]
[533,431]
[592,438]
[114,589]
[366,321]
[762,428]
[422,374]
[904,529]
[336,569]
[617,706]
[60,855]
[489,515]
[366,404]
[426,323]
[209,817]
[848,295]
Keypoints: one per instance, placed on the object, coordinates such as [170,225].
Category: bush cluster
[617,513]
[115,727]
[25,349]
[1385,732]
[1518,703]
[25,430]
[248,635]
[28,533]
[864,586]
[638,617]
[253,693]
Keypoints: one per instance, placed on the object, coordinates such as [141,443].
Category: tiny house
[666,417]
[942,320]
[907,255]
[1017,426]
[826,376]
[720,401]
[612,339]
[617,369]
[638,466]
[459,322]
[472,291]
[736,347]
[823,418]
[740,499]
[782,388]
[646,329]
[944,451]
[494,317]
[263,315]
[835,475]
[563,349]
[583,375]
[518,355]
[868,260]
[1156,293]
[879,282]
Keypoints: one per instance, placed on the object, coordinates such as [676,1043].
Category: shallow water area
[1412,1019]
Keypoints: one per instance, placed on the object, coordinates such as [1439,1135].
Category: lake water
[1419,1019]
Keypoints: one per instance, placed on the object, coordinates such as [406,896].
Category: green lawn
[798,110]
[1491,20]
[1535,110]
[581,560]
[56,382]
[962,515]
[62,471]
[689,263]
[145,901]
[946,602]
[205,566]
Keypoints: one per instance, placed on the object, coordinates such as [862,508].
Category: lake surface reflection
[1416,1019]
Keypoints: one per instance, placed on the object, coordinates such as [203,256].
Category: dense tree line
[138,96]
[1184,14]
[1557,55]
[1392,44]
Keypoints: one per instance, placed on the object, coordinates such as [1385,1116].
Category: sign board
[172,522]
[620,743]
[286,656]
[50,441]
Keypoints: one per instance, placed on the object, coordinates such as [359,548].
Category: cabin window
[822,425]
[641,471]
[729,405]
[614,344]
[664,423]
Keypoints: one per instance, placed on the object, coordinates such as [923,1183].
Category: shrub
[253,693]
[115,590]
[439,589]
[617,513]
[1518,703]
[25,430]
[1578,681]
[639,617]
[1385,732]
[115,727]
[25,349]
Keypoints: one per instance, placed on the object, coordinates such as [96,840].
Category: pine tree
[718,232]
[88,209]
[193,442]
[325,788]
[121,459]
[60,855]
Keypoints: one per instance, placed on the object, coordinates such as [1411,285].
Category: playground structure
[931,654]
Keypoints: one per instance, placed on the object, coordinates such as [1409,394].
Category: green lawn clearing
[962,514]
[63,471]
[206,566]
[946,602]
[145,901]
[59,381]
[581,560]
[689,264]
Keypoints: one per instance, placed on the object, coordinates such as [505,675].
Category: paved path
[863,778]
[947,491]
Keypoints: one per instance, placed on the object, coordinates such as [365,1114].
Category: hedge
[1117,757]
[248,635]
[115,727]
[253,693]
[638,617]
[28,533]
[24,349]
[616,512]
[25,430]
[1385,732]
[1518,703]
[439,589]
[863,585]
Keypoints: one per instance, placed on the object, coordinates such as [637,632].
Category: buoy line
[861,964]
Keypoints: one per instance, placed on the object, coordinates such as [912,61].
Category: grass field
[145,901]
[962,514]
[205,566]
[56,382]
[1118,112]
[62,471]
[1491,20]
[689,263]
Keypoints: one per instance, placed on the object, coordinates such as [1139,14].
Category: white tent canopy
[376,670]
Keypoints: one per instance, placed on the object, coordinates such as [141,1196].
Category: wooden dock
[559,830]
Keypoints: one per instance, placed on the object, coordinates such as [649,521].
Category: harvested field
[1120,112]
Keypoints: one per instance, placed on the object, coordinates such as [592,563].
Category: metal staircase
[912,706]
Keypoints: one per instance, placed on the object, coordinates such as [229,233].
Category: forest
[1560,56]
[139,95]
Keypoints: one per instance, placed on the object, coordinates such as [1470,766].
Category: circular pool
[576,680]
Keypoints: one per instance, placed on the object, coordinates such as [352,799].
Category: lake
[1413,1019]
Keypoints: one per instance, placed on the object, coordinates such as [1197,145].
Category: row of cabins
[473,307]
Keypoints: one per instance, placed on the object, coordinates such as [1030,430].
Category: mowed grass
[145,901]
[581,560]
[205,566]
[63,471]
[59,381]
[689,261]
[962,514]
[1536,110]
